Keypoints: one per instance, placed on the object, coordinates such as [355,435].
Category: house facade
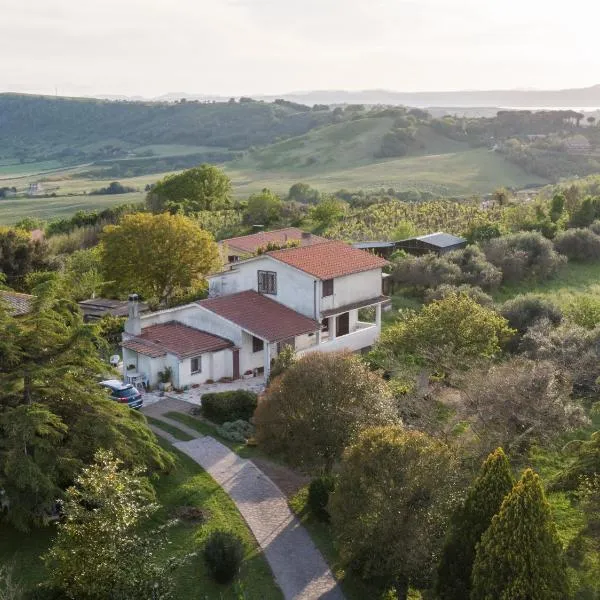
[313,298]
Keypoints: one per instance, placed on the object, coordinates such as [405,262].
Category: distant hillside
[568,98]
[79,130]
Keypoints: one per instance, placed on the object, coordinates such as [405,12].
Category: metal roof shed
[438,242]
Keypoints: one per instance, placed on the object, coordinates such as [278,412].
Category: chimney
[133,325]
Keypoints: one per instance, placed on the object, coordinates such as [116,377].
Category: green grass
[572,280]
[174,431]
[446,174]
[205,428]
[15,209]
[186,485]
[12,168]
[22,551]
[189,485]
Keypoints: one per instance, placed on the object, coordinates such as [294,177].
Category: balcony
[362,336]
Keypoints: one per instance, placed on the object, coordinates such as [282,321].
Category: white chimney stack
[133,325]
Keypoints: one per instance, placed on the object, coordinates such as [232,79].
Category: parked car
[125,393]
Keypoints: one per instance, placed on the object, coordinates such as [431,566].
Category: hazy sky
[233,47]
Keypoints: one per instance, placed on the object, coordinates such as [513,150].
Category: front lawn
[187,485]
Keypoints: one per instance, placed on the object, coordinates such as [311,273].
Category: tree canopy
[157,256]
[447,333]
[99,551]
[53,414]
[202,188]
[473,517]
[318,405]
[264,208]
[394,491]
[520,554]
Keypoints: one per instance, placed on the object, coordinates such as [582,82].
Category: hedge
[221,407]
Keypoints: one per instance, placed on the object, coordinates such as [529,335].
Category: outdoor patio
[193,395]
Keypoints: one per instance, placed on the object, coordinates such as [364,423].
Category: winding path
[298,566]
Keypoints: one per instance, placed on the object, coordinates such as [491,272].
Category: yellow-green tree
[520,554]
[158,256]
[447,333]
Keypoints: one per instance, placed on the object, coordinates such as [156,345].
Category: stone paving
[299,568]
[193,395]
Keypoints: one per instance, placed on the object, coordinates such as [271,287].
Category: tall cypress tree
[483,501]
[520,555]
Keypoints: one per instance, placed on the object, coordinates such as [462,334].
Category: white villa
[307,297]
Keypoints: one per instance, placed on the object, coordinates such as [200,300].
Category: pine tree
[483,501]
[53,414]
[520,556]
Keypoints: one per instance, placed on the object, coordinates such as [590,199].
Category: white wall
[214,366]
[357,340]
[249,360]
[295,289]
[352,288]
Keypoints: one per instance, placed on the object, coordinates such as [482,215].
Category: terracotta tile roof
[175,338]
[18,304]
[329,260]
[261,316]
[251,243]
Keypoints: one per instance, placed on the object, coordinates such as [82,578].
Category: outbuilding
[438,242]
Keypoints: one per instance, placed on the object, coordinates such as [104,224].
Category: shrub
[223,555]
[236,431]
[475,269]
[521,256]
[595,227]
[473,292]
[221,407]
[318,496]
[524,311]
[425,271]
[578,244]
[285,359]
[584,311]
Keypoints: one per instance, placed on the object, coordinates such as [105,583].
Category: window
[257,344]
[196,365]
[267,282]
[327,288]
[233,258]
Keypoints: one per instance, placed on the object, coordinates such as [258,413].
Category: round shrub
[578,244]
[229,406]
[236,431]
[524,311]
[522,256]
[223,555]
[473,292]
[318,496]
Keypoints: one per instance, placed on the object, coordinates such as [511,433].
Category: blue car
[124,393]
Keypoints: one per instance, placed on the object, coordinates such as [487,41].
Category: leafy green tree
[202,188]
[394,491]
[447,333]
[83,274]
[483,501]
[263,208]
[328,210]
[317,407]
[20,255]
[520,555]
[157,256]
[302,192]
[99,551]
[53,414]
